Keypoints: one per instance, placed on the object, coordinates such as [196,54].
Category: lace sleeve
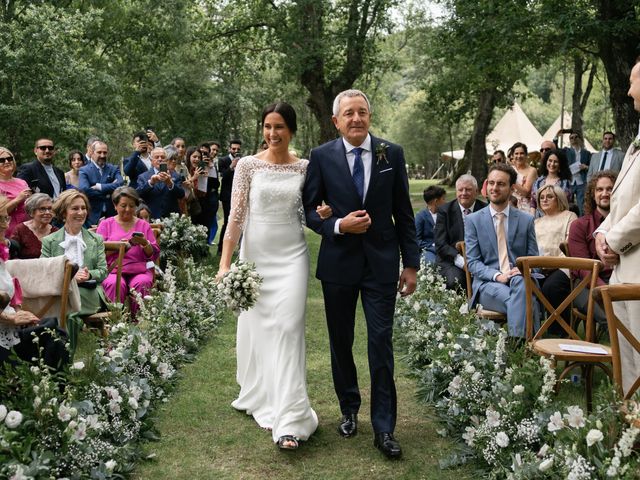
[239,200]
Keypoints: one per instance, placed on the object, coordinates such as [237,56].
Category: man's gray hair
[466,178]
[91,140]
[98,142]
[349,94]
[172,152]
[34,201]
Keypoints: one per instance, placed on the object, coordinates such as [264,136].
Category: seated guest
[495,237]
[497,157]
[159,188]
[98,180]
[597,202]
[29,235]
[450,230]
[138,262]
[16,190]
[426,222]
[18,326]
[82,247]
[554,170]
[76,162]
[552,229]
[143,212]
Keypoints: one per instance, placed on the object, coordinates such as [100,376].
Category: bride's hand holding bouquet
[239,285]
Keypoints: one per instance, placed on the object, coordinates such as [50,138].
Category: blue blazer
[481,244]
[585,159]
[425,230]
[100,200]
[158,197]
[342,258]
[133,167]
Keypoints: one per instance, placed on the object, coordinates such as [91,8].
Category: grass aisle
[204,438]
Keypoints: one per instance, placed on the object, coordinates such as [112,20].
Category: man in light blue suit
[98,180]
[497,284]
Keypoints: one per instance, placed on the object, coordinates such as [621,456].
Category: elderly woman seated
[138,263]
[17,326]
[82,247]
[28,235]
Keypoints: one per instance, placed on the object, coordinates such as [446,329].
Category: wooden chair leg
[588,385]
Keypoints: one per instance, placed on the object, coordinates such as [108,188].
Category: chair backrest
[47,286]
[619,293]
[460,246]
[119,248]
[528,264]
[564,248]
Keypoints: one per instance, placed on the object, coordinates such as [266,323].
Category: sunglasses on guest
[51,148]
[543,150]
[4,160]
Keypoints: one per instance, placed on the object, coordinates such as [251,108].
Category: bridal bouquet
[239,287]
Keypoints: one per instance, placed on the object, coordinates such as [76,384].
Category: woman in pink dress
[138,263]
[15,189]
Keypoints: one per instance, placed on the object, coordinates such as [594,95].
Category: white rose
[545,465]
[518,389]
[3,412]
[502,440]
[594,436]
[77,366]
[110,465]
[13,419]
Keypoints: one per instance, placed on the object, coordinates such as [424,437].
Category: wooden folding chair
[99,320]
[573,352]
[619,293]
[481,311]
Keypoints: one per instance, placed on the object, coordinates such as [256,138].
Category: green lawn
[204,438]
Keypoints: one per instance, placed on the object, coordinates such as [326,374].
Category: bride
[266,209]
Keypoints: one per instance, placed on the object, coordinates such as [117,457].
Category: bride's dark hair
[286,111]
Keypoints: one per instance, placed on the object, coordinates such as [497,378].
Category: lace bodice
[266,192]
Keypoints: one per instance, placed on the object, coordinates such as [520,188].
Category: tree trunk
[618,54]
[486,103]
[579,98]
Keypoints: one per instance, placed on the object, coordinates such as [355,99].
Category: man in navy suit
[495,237]
[139,161]
[160,189]
[434,196]
[42,175]
[364,180]
[98,180]
[579,160]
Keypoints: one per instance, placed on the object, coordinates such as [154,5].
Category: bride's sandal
[288,442]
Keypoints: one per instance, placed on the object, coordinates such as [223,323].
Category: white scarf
[74,248]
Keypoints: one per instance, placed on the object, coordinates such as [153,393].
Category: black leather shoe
[387,445]
[348,425]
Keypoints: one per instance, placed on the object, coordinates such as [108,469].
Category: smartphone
[149,127]
[163,167]
[202,164]
[137,234]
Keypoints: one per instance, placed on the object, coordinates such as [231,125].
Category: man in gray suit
[608,158]
[495,237]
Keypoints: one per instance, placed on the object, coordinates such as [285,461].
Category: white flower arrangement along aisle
[89,428]
[500,404]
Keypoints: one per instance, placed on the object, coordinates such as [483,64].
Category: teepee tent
[555,126]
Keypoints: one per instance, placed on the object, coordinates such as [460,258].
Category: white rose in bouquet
[240,286]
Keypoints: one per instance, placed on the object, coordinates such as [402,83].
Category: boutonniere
[381,153]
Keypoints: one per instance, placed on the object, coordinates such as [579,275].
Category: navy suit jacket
[226,177]
[158,197]
[133,167]
[585,159]
[100,200]
[481,244]
[425,230]
[342,258]
[35,175]
[450,229]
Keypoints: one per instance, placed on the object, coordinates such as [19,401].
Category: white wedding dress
[266,208]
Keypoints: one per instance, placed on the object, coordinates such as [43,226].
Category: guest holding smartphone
[138,262]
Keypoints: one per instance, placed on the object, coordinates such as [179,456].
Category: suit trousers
[378,303]
[453,275]
[509,299]
[578,190]
[629,314]
[226,209]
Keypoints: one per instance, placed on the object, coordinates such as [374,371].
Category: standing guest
[597,204]
[526,176]
[370,232]
[82,247]
[14,189]
[450,230]
[495,237]
[144,212]
[554,170]
[198,169]
[226,168]
[497,157]
[608,158]
[138,262]
[76,162]
[618,237]
[29,234]
[159,188]
[41,175]
[434,196]
[139,161]
[89,148]
[18,327]
[212,200]
[579,159]
[179,144]
[98,180]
